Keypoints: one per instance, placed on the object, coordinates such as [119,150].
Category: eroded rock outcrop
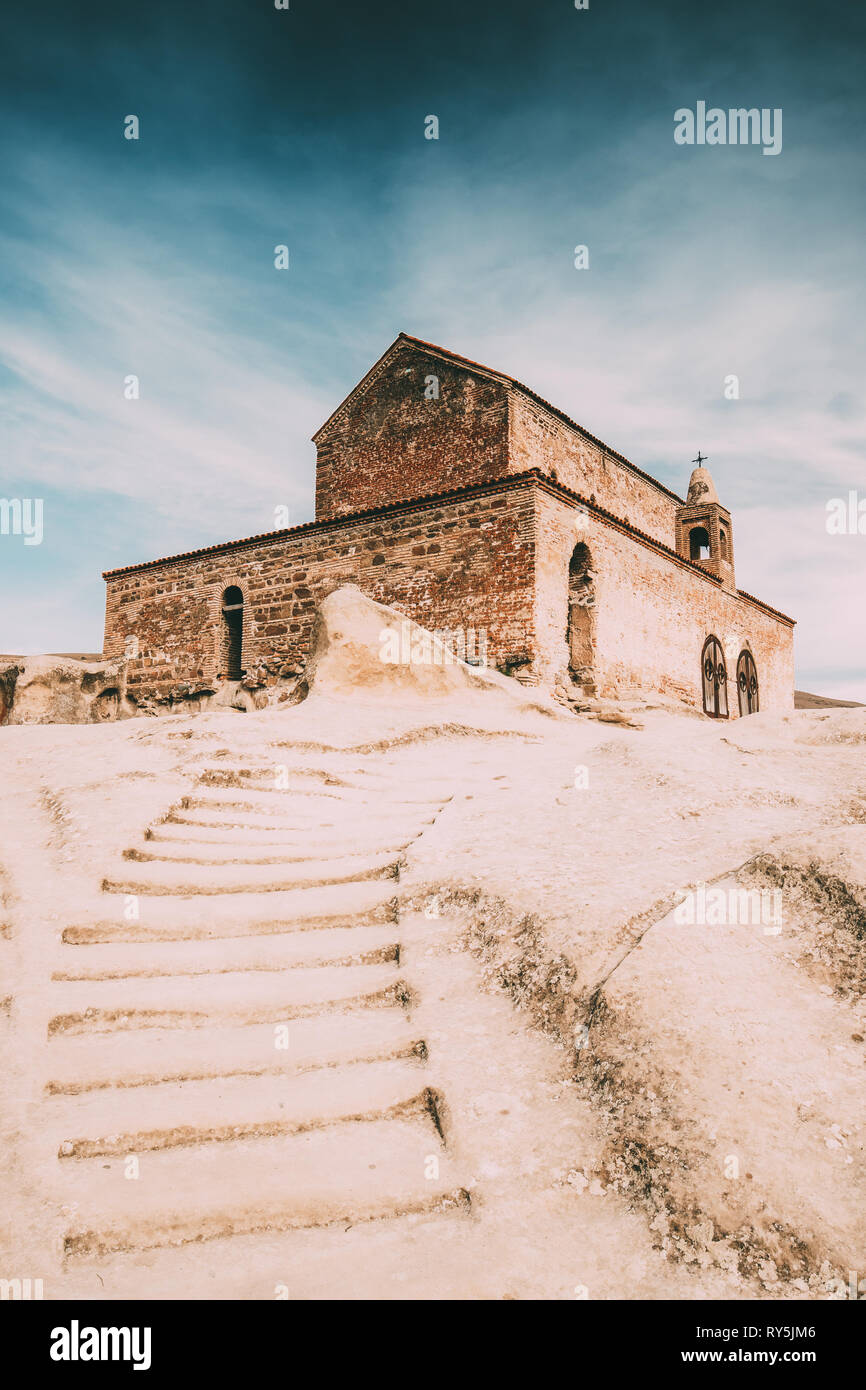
[361,648]
[62,690]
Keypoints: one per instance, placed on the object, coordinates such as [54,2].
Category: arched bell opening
[699,543]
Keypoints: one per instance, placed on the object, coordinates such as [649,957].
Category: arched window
[232,645]
[581,615]
[699,543]
[723,542]
[747,683]
[714,679]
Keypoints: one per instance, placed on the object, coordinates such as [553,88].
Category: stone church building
[457,495]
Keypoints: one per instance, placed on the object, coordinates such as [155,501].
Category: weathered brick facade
[458,497]
[653,612]
[466,563]
[392,439]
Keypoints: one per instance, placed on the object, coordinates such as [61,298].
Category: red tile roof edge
[367,513]
[509,480]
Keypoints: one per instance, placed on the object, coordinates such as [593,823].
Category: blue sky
[306,127]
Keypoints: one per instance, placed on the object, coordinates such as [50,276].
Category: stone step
[185,880]
[283,776]
[113,1008]
[269,796]
[367,783]
[307,839]
[357,1171]
[360,945]
[196,918]
[138,1120]
[218,992]
[160,1057]
[429,1253]
[204,853]
[280,803]
[294,822]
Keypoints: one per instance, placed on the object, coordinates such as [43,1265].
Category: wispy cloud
[223,420]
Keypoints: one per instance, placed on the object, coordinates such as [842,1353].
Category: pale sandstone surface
[510,1071]
[59,690]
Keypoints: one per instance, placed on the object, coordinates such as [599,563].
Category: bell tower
[704,531]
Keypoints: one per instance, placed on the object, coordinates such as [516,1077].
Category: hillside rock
[62,690]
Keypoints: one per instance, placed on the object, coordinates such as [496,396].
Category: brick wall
[539,439]
[466,564]
[496,560]
[651,616]
[391,442]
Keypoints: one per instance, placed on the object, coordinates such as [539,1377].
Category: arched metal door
[747,683]
[715,679]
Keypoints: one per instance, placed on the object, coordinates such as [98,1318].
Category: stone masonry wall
[652,615]
[495,561]
[539,439]
[393,442]
[466,564]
